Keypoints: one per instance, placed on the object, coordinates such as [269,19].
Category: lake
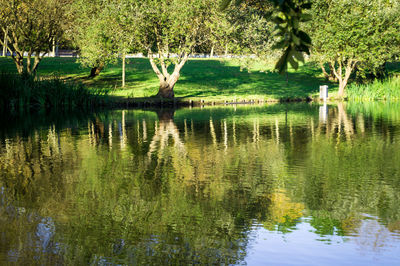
[303,184]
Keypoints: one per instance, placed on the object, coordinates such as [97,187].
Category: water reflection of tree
[211,178]
[348,173]
[143,204]
[154,185]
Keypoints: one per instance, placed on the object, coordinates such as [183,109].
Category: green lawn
[201,79]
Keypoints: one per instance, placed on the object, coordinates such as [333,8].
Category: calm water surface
[281,184]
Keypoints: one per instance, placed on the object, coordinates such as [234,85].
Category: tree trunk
[212,52]
[5,43]
[31,69]
[28,63]
[95,71]
[339,74]
[19,63]
[342,85]
[166,90]
[53,52]
[326,75]
[332,76]
[226,50]
[167,81]
[36,63]
[123,69]
[20,68]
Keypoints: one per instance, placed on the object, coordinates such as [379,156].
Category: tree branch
[154,66]
[339,77]
[179,66]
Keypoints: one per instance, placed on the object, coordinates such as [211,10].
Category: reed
[22,93]
[388,89]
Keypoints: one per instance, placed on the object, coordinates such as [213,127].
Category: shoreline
[184,102]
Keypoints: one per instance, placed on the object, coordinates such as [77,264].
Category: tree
[220,30]
[30,27]
[168,31]
[349,34]
[123,29]
[104,30]
[93,34]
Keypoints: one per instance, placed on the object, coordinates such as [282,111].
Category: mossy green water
[215,185]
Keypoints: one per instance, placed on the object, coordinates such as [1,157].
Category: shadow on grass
[213,78]
[210,79]
[200,79]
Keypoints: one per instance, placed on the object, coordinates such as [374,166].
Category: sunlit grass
[201,79]
[208,80]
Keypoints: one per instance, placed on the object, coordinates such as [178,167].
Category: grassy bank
[201,79]
[27,93]
[208,80]
[378,90]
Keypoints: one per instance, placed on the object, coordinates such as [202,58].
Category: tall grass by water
[377,90]
[18,93]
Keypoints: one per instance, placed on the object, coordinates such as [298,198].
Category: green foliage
[252,38]
[18,93]
[221,30]
[172,26]
[361,30]
[288,16]
[294,41]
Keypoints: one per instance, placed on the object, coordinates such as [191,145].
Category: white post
[323,92]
